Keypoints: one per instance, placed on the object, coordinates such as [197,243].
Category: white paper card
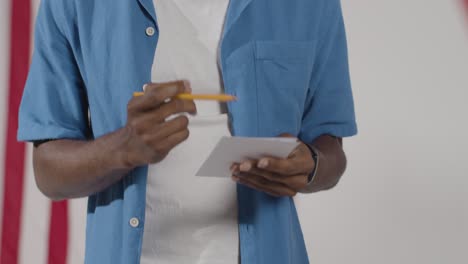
[236,149]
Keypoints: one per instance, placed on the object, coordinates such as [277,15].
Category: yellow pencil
[214,97]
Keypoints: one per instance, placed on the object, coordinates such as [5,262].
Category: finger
[187,85]
[247,165]
[234,168]
[280,166]
[269,170]
[151,121]
[300,161]
[255,187]
[175,106]
[155,95]
[184,84]
[265,174]
[295,182]
[168,128]
[173,140]
[262,184]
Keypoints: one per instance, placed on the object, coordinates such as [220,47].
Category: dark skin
[286,177]
[67,169]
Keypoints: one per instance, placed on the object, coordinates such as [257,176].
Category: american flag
[34,229]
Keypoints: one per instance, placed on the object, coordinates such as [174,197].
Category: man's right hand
[68,168]
[148,136]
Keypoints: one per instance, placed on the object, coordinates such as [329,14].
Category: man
[286,61]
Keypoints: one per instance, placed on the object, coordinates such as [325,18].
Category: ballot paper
[236,149]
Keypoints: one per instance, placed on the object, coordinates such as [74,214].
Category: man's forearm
[331,165]
[70,168]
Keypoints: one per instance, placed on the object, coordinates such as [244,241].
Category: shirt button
[134,222]
[149,31]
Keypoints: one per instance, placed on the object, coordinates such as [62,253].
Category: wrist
[315,154]
[121,153]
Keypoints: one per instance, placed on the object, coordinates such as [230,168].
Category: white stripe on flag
[4,65]
[34,231]
[77,230]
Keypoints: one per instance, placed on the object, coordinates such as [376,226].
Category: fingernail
[245,166]
[263,163]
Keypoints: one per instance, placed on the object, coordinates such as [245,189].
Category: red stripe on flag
[15,151]
[58,234]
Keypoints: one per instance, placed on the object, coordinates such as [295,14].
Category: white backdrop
[404,198]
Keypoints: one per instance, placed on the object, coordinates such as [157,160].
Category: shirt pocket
[239,80]
[271,82]
[282,70]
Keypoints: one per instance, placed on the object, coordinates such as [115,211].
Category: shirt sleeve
[54,104]
[329,103]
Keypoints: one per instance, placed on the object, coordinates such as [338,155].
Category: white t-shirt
[191,219]
[188,45]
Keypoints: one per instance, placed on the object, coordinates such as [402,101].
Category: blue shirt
[286,61]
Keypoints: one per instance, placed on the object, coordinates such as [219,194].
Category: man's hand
[68,168]
[149,137]
[275,176]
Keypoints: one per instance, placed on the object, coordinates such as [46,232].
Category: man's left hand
[276,176]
